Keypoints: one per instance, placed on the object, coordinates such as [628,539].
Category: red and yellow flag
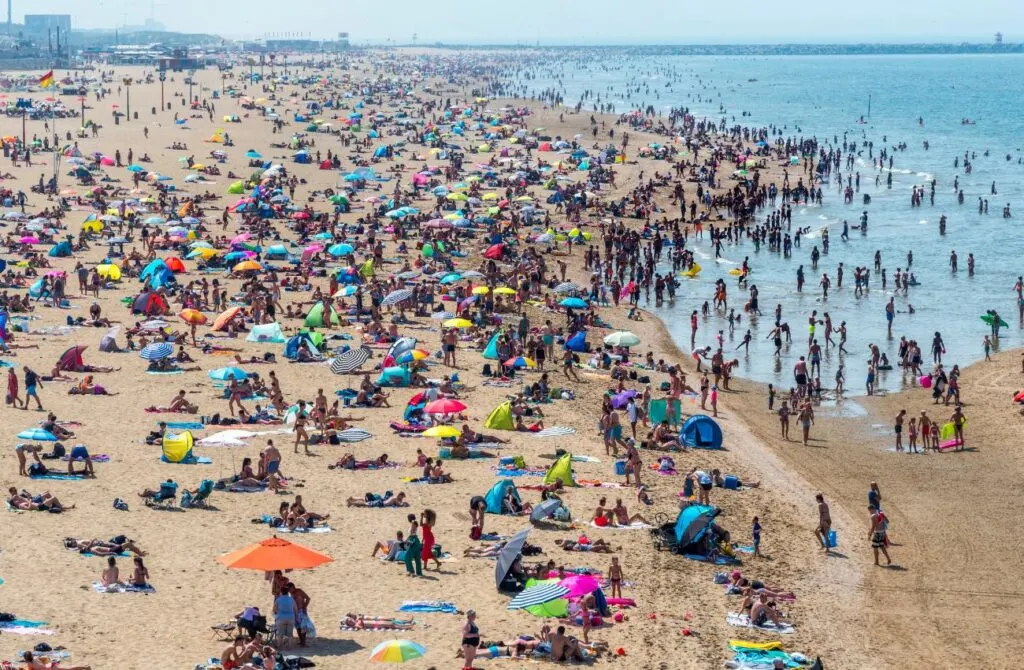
[46,81]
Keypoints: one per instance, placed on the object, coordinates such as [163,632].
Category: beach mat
[424,606]
[25,627]
[121,588]
[633,526]
[185,425]
[58,476]
[351,435]
[553,431]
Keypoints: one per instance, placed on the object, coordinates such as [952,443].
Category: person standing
[284,615]
[31,381]
[427,520]
[470,639]
[413,549]
[824,528]
[879,540]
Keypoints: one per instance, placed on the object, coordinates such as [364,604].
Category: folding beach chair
[200,499]
[165,497]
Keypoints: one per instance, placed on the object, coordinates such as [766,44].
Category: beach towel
[194,460]
[122,588]
[25,627]
[743,621]
[165,372]
[95,458]
[503,472]
[636,525]
[585,459]
[315,529]
[596,483]
[246,489]
[185,425]
[718,560]
[554,431]
[428,606]
[60,476]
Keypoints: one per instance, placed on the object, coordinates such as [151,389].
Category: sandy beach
[952,515]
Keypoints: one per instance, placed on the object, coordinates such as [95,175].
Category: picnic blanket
[636,525]
[122,588]
[553,431]
[185,425]
[743,621]
[61,476]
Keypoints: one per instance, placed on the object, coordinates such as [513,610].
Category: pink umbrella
[579,585]
[28,239]
[444,406]
[313,248]
[300,215]
[238,239]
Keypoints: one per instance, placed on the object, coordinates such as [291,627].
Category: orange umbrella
[222,321]
[247,266]
[274,554]
[174,264]
[193,316]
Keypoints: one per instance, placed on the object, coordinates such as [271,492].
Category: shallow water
[824,96]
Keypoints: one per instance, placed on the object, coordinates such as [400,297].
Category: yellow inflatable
[692,272]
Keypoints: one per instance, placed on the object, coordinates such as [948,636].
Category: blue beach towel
[185,425]
[422,606]
[58,476]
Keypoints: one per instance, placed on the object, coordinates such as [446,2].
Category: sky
[564,21]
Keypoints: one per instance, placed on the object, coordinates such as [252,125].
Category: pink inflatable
[925,381]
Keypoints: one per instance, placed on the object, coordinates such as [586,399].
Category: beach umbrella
[622,338]
[345,291]
[481,290]
[156,351]
[225,374]
[155,220]
[444,406]
[274,554]
[544,509]
[442,316]
[520,362]
[193,316]
[396,297]
[412,356]
[568,287]
[442,432]
[247,266]
[579,585]
[351,360]
[397,651]
[340,249]
[538,595]
[458,323]
[505,290]
[251,153]
[28,239]
[37,434]
[509,553]
[412,274]
[574,303]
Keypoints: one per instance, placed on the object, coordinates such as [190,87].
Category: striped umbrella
[568,287]
[156,351]
[442,316]
[538,595]
[351,360]
[396,297]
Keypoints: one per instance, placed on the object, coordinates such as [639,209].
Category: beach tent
[71,360]
[497,494]
[109,271]
[491,350]
[150,303]
[315,317]
[291,347]
[577,342]
[394,376]
[178,448]
[561,470]
[702,432]
[500,417]
[266,332]
[108,343]
[60,250]
[691,528]
[277,251]
[397,348]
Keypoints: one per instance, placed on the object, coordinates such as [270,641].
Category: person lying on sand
[470,436]
[595,546]
[349,462]
[42,663]
[116,545]
[489,551]
[364,622]
[42,502]
[372,501]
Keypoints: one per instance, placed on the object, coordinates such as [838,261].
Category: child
[926,430]
[615,577]
[714,400]
[912,435]
[771,397]
[935,436]
[988,348]
[757,537]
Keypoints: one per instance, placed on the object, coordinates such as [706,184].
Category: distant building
[999,39]
[39,24]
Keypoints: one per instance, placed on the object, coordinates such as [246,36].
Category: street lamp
[191,80]
[128,96]
[163,78]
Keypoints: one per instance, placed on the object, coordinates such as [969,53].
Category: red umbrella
[444,406]
[494,253]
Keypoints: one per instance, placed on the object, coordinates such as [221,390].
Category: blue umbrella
[340,249]
[451,279]
[574,303]
[37,434]
[156,351]
[253,154]
[224,374]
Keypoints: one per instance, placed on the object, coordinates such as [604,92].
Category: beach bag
[475,533]
[37,469]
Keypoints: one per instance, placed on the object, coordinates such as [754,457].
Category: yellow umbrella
[458,323]
[505,290]
[92,226]
[481,290]
[524,198]
[247,266]
[442,432]
[490,196]
[457,196]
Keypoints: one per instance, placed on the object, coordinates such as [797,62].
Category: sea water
[825,97]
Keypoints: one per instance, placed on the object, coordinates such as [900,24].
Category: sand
[952,515]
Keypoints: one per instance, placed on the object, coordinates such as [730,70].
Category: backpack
[37,469]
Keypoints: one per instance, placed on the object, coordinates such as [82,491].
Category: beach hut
[500,417]
[496,496]
[701,432]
